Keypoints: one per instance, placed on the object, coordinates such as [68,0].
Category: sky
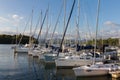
[14,15]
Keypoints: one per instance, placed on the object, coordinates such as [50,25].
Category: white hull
[34,53]
[72,62]
[94,70]
[50,57]
[21,50]
[41,56]
[91,72]
[30,53]
[50,54]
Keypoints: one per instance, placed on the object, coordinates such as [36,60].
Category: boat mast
[77,26]
[48,26]
[16,36]
[38,22]
[64,18]
[51,42]
[89,31]
[26,24]
[30,39]
[42,25]
[78,33]
[97,20]
[66,27]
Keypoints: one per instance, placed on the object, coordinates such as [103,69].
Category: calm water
[23,67]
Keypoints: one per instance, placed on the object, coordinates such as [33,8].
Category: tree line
[109,41]
[14,39]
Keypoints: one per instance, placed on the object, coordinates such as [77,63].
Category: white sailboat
[76,60]
[95,69]
[21,49]
[37,50]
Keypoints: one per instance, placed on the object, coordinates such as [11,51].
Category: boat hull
[80,73]
[62,63]
[21,50]
[50,57]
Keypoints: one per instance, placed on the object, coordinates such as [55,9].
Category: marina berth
[59,39]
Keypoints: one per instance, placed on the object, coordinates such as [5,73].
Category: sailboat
[96,69]
[76,60]
[51,54]
[53,57]
[23,48]
[36,51]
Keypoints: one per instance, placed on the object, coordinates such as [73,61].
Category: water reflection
[94,78]
[65,74]
[115,78]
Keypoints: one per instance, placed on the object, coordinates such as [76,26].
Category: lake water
[24,67]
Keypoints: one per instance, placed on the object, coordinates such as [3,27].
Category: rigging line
[37,24]
[64,17]
[46,35]
[56,24]
[90,33]
[24,30]
[64,14]
[87,27]
[78,12]
[39,34]
[48,26]
[97,20]
[78,34]
[30,39]
[78,24]
[66,27]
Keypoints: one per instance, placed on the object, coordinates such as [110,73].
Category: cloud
[110,33]
[3,20]
[112,30]
[13,20]
[7,30]
[8,24]
[112,24]
[17,17]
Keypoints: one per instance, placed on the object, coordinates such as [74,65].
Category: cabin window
[87,58]
[81,58]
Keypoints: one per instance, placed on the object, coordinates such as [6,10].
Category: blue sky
[15,13]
